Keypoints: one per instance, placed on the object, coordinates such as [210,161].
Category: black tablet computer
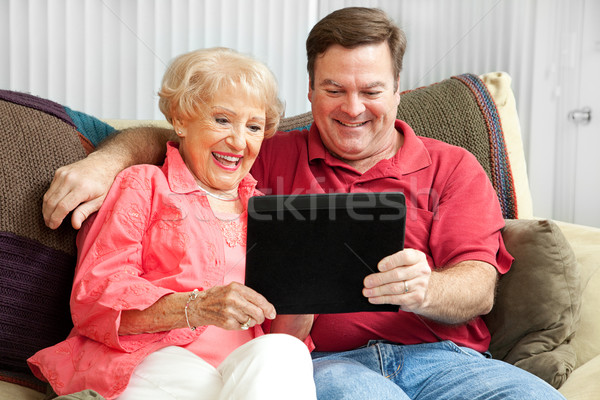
[309,254]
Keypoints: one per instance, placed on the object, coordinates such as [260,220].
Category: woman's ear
[178,125]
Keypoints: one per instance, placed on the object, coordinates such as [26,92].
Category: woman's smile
[227,161]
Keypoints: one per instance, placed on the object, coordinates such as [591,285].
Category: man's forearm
[82,186]
[142,145]
[460,293]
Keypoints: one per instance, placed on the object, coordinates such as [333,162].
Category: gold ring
[405,287]
[246,324]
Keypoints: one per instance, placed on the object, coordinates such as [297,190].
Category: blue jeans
[431,371]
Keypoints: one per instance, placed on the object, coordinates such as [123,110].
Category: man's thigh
[353,375]
[444,370]
[431,371]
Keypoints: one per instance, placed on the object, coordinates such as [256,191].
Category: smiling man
[435,347]
[354,98]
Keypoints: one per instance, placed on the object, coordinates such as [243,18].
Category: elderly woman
[158,303]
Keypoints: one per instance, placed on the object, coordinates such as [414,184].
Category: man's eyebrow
[331,82]
[375,84]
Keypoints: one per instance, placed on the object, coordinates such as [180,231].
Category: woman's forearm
[295,325]
[227,307]
[164,315]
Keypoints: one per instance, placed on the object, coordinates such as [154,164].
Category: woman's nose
[236,138]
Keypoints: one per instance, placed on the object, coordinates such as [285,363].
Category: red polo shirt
[446,190]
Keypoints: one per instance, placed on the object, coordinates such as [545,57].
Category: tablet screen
[309,254]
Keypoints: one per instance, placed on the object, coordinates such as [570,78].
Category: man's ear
[310,90]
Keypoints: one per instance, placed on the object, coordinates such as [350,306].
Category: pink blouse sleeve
[108,274]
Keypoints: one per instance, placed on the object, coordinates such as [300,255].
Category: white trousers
[274,366]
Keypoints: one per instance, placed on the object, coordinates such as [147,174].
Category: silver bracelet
[193,296]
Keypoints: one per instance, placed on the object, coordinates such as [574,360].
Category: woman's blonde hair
[192,80]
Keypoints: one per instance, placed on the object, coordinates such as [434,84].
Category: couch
[543,320]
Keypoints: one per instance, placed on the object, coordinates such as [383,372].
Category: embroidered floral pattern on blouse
[132,180]
[234,232]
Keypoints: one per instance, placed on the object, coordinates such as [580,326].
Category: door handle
[582,116]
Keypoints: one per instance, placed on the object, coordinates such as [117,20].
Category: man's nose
[352,105]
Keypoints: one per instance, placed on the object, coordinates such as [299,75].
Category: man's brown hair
[352,27]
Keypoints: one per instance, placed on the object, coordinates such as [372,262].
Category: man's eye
[373,94]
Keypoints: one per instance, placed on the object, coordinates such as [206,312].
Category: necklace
[216,196]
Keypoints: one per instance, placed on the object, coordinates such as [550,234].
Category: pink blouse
[154,235]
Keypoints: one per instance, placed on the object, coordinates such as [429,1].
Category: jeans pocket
[450,345]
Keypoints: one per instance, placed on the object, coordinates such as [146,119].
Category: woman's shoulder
[142,176]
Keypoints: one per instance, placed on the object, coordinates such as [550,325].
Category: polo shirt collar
[412,156]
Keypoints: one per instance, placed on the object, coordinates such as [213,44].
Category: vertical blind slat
[107,57]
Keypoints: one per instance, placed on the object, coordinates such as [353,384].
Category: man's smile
[351,125]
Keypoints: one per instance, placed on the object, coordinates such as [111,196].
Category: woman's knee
[273,366]
[278,346]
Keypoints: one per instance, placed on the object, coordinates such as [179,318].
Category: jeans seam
[381,366]
[453,346]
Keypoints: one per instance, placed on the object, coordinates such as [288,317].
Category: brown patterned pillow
[36,263]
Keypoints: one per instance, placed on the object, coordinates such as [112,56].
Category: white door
[586,208]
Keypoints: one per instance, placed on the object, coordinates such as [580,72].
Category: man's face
[354,103]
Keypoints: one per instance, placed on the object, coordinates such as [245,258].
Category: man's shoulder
[435,147]
[438,144]
[290,136]
[439,148]
[286,141]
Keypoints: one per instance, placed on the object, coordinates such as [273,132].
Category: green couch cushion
[538,302]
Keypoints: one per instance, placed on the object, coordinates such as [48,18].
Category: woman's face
[220,148]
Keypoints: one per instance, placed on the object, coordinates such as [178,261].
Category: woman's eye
[255,128]
[221,120]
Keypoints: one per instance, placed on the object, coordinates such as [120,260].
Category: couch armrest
[583,384]
[585,242]
[12,391]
